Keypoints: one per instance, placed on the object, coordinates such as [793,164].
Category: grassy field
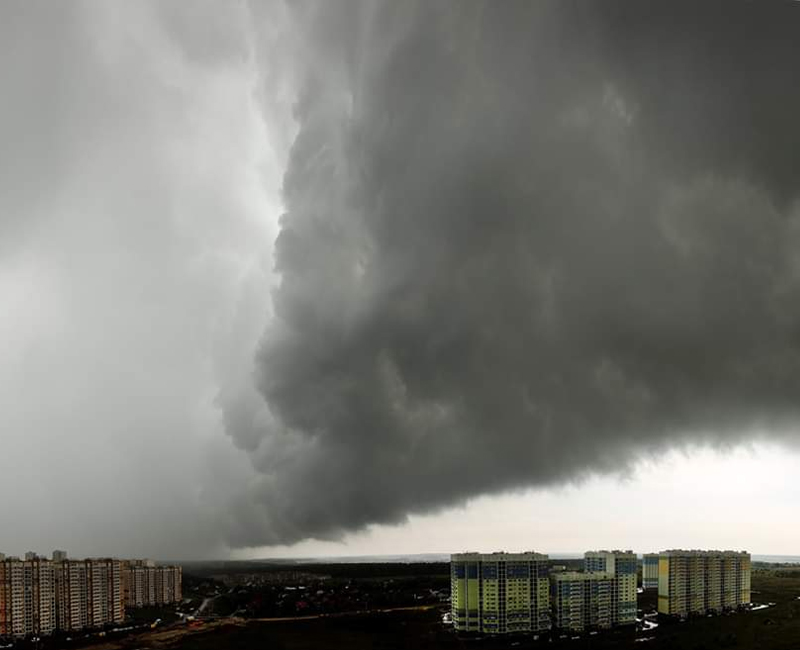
[390,631]
[775,628]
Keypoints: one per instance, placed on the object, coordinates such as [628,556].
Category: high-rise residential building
[105,602]
[500,593]
[72,595]
[133,579]
[89,593]
[27,597]
[38,596]
[167,584]
[622,566]
[15,584]
[45,587]
[5,599]
[650,571]
[177,577]
[582,600]
[145,584]
[700,582]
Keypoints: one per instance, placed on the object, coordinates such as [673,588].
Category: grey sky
[138,203]
[271,272]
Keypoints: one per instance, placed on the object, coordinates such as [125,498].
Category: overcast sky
[356,277]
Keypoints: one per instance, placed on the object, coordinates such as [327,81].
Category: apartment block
[89,593]
[38,596]
[27,597]
[500,593]
[5,599]
[133,578]
[582,600]
[72,595]
[699,582]
[104,591]
[650,571]
[622,566]
[168,581]
[145,584]
[15,588]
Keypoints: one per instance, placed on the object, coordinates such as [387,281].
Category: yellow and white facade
[699,582]
[623,567]
[500,593]
[583,600]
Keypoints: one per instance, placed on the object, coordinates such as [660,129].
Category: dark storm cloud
[523,241]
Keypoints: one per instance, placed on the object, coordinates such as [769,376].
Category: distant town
[493,601]
[507,593]
[40,596]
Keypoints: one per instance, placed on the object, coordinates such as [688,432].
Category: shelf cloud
[523,242]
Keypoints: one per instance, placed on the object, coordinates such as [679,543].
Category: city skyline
[503,593]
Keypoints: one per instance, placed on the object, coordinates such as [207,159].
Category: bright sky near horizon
[743,498]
